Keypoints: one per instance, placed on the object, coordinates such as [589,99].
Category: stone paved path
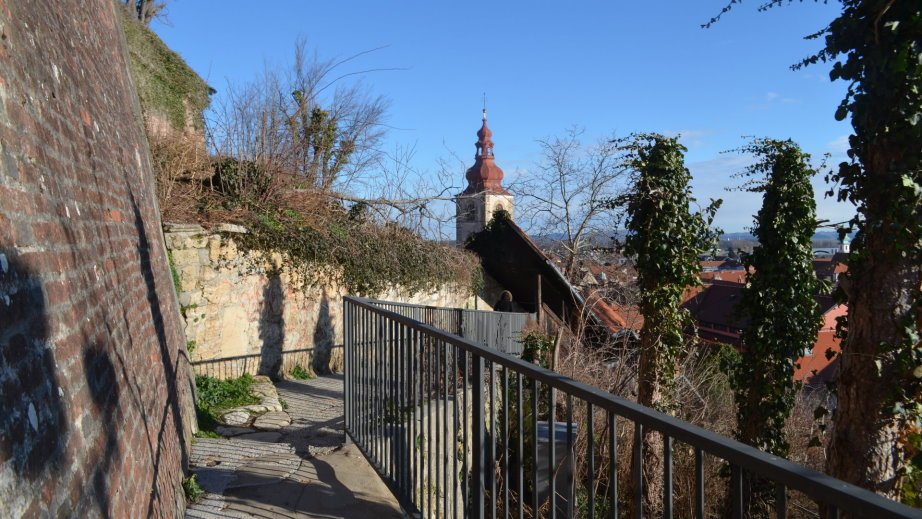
[301,471]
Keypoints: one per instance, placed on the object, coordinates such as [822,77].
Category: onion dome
[484,175]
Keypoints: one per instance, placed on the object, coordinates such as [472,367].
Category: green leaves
[665,238]
[877,49]
[364,257]
[216,395]
[778,300]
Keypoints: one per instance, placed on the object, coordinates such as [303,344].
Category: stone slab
[264,436]
[232,431]
[272,421]
[236,417]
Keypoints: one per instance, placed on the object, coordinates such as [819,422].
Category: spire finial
[484,106]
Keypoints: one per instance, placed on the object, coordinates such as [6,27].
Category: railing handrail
[814,484]
[213,360]
[445,308]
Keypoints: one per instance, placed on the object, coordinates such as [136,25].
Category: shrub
[363,256]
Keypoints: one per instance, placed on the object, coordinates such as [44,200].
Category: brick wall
[94,383]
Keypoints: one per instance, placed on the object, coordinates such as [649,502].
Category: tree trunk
[882,299]
[649,394]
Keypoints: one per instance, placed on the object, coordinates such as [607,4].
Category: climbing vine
[665,238]
[876,47]
[778,302]
[363,256]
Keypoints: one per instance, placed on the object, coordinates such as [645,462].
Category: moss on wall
[167,87]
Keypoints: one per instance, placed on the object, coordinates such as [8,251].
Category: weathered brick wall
[93,376]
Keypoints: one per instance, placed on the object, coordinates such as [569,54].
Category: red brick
[53,159]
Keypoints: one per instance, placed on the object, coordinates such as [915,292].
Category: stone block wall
[95,415]
[242,315]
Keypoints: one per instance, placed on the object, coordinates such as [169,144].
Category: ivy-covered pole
[665,238]
[778,300]
[876,46]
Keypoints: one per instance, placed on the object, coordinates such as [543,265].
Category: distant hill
[603,239]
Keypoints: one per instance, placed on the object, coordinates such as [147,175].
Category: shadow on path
[307,472]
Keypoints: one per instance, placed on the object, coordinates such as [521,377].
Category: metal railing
[459,430]
[236,366]
[498,330]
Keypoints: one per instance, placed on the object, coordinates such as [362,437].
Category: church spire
[484,175]
[484,195]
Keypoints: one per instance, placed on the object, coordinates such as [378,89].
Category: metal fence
[498,330]
[233,367]
[456,429]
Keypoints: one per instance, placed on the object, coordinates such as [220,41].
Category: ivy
[167,86]
[876,46]
[665,239]
[778,301]
[360,255]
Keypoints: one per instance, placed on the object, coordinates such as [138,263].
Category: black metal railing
[238,365]
[459,430]
[497,330]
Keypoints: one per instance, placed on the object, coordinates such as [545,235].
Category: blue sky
[545,66]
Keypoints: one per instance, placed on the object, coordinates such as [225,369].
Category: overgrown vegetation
[875,47]
[214,396]
[278,160]
[362,255]
[167,86]
[177,283]
[298,372]
[665,237]
[778,302]
[192,489]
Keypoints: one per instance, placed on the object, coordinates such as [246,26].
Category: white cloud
[690,137]
[771,99]
[712,178]
[838,146]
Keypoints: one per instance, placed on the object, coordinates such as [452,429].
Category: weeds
[300,373]
[216,396]
[192,489]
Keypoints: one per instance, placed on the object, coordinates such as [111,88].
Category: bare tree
[305,123]
[570,193]
[307,129]
[144,10]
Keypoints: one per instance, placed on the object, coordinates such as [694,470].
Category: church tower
[485,193]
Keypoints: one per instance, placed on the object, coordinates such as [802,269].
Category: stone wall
[243,316]
[94,384]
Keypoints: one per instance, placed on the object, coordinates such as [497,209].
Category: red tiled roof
[827,267]
[715,304]
[605,313]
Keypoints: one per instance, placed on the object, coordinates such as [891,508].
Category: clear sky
[612,66]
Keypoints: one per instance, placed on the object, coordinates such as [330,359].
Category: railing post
[347,353]
[460,322]
[479,474]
